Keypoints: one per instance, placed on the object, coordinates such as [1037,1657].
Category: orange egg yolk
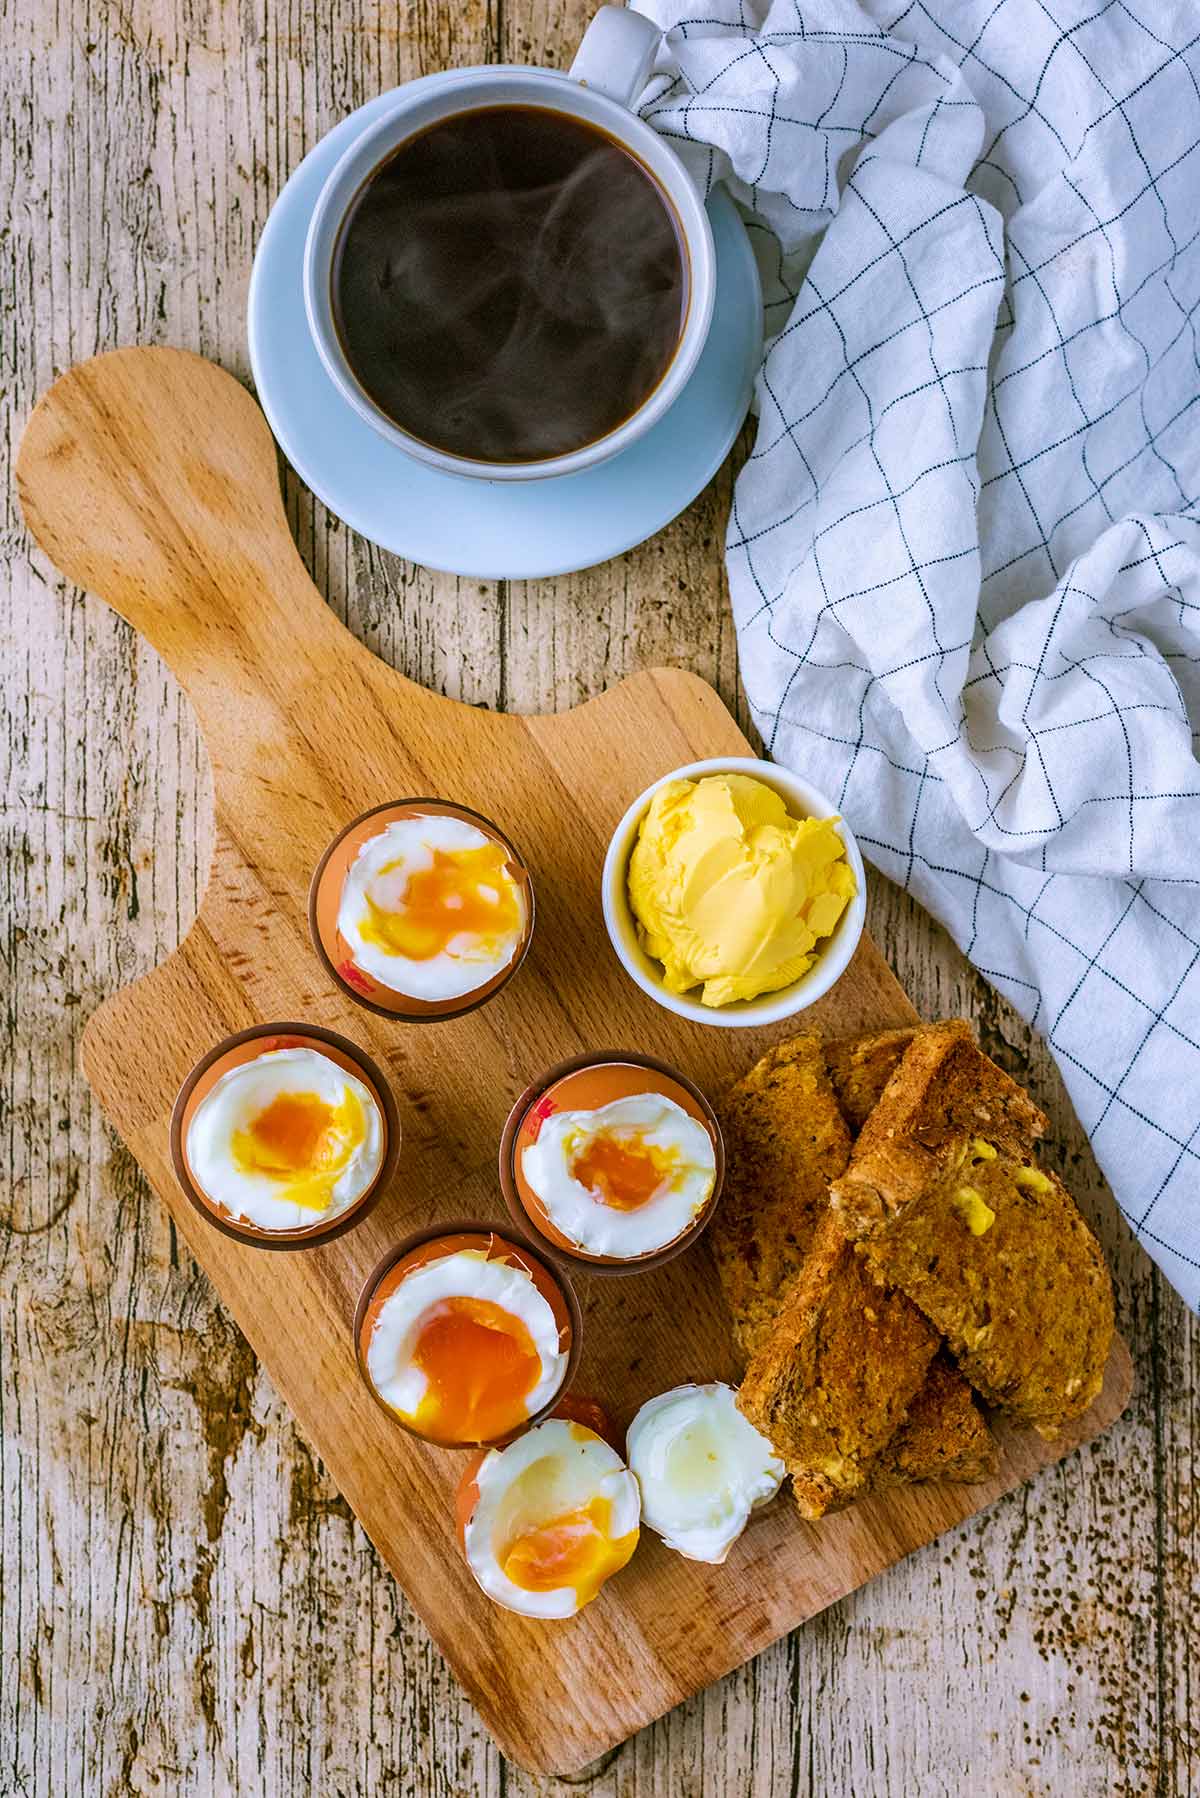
[576,1551]
[302,1143]
[288,1137]
[623,1172]
[480,1364]
[466,892]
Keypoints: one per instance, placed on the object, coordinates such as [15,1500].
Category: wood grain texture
[186,1604]
[149,477]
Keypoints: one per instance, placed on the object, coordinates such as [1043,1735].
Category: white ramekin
[803,801]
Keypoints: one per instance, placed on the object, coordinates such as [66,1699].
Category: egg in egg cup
[421,910]
[613,1161]
[284,1135]
[466,1337]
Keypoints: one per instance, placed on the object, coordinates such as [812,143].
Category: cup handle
[616,54]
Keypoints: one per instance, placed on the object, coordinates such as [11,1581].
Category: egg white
[603,1229]
[464,1273]
[241,1095]
[555,1468]
[403,848]
[702,1468]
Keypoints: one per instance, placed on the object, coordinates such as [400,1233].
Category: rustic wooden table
[187,1606]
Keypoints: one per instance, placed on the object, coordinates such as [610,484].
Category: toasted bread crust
[946,1202]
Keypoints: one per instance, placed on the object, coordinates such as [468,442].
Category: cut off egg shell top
[702,1469]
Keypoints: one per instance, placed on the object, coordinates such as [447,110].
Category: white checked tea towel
[964,555]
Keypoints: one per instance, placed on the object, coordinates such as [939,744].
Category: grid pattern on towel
[964,555]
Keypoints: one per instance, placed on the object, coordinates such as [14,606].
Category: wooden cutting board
[150,478]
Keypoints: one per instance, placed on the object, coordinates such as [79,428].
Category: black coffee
[510,285]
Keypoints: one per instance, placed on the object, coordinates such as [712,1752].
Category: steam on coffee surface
[510,285]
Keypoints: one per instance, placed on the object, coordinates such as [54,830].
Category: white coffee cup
[600,89]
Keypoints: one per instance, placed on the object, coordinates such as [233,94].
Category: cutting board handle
[149,476]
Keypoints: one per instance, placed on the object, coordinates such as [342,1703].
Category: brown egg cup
[605,1266]
[337,1048]
[324,898]
[513,1238]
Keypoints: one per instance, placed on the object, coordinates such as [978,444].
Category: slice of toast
[809,1318]
[785,1140]
[945,1200]
[836,1376]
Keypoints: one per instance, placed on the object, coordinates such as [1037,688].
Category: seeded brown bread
[785,1140]
[943,1437]
[944,1197]
[836,1375]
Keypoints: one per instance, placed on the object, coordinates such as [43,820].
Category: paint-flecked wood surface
[149,477]
[186,1605]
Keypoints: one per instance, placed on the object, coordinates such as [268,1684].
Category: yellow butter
[974,1210]
[732,894]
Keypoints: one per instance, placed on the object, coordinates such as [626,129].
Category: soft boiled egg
[430,907]
[702,1468]
[544,1522]
[623,1179]
[286,1141]
[466,1340]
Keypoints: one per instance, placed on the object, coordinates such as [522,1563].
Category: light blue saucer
[492,530]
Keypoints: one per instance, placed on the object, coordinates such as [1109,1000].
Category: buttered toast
[944,1435]
[945,1200]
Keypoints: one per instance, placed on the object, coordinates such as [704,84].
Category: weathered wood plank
[186,1605]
